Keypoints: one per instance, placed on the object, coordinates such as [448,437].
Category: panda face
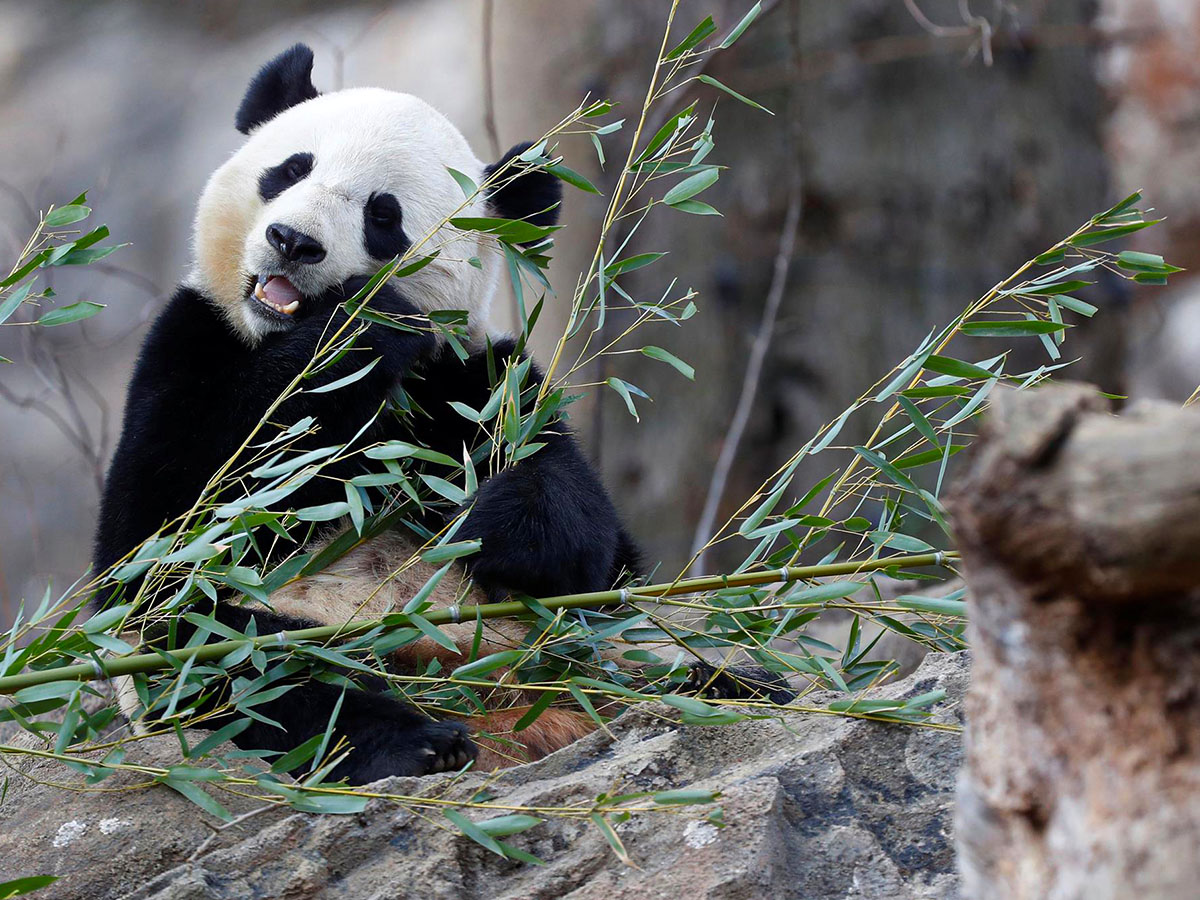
[332,188]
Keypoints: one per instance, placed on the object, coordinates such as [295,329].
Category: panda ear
[523,193]
[280,84]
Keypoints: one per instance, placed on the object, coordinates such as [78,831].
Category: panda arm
[198,391]
[546,524]
[340,413]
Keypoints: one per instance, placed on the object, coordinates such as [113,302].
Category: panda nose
[293,245]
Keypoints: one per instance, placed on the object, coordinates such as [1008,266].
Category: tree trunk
[1080,533]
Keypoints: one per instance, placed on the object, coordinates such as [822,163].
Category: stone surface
[826,807]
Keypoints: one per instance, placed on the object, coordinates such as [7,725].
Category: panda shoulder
[189,325]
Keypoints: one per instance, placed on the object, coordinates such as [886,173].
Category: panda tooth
[290,307]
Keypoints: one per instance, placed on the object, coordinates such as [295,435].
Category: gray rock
[822,807]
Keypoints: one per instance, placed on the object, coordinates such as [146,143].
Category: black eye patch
[383,231]
[277,179]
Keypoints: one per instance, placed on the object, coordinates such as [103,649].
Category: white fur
[365,141]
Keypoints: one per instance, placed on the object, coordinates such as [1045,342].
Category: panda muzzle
[278,293]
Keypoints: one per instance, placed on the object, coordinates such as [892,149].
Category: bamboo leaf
[699,33]
[670,359]
[64,315]
[66,215]
[708,79]
[692,185]
[741,26]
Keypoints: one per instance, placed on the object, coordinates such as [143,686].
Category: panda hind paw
[737,683]
[444,747]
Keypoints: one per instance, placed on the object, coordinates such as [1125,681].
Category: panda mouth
[278,294]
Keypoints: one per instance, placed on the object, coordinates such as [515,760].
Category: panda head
[330,187]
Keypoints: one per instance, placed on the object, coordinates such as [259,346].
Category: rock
[825,807]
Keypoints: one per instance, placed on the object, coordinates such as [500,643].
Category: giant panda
[326,189]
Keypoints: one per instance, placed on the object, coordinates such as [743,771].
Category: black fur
[532,195]
[383,227]
[281,84]
[546,524]
[277,179]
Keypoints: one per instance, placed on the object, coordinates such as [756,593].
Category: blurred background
[924,149]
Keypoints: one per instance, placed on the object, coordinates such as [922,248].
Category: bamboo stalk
[149,662]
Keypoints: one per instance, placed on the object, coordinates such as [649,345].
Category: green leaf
[64,315]
[1011,328]
[444,488]
[348,379]
[1091,238]
[434,633]
[447,552]
[935,605]
[741,26]
[227,733]
[876,460]
[465,182]
[354,501]
[699,711]
[699,33]
[696,208]
[66,215]
[672,125]
[1076,306]
[489,663]
[332,804]
[670,359]
[684,797]
[473,831]
[623,388]
[918,419]
[197,795]
[298,755]
[708,79]
[630,263]
[531,715]
[760,513]
[571,177]
[106,619]
[512,231]
[1042,290]
[692,185]
[52,690]
[82,257]
[15,299]
[20,886]
[503,826]
[610,835]
[956,368]
[1120,207]
[323,513]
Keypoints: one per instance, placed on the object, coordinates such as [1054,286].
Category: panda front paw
[737,683]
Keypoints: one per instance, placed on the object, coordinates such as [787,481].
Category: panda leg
[500,747]
[386,737]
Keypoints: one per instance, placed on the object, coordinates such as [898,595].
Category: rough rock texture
[828,807]
[1078,532]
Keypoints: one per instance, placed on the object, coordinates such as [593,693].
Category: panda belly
[379,577]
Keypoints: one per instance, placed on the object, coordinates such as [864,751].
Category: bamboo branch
[150,662]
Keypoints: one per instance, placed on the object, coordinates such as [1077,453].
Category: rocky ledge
[817,806]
